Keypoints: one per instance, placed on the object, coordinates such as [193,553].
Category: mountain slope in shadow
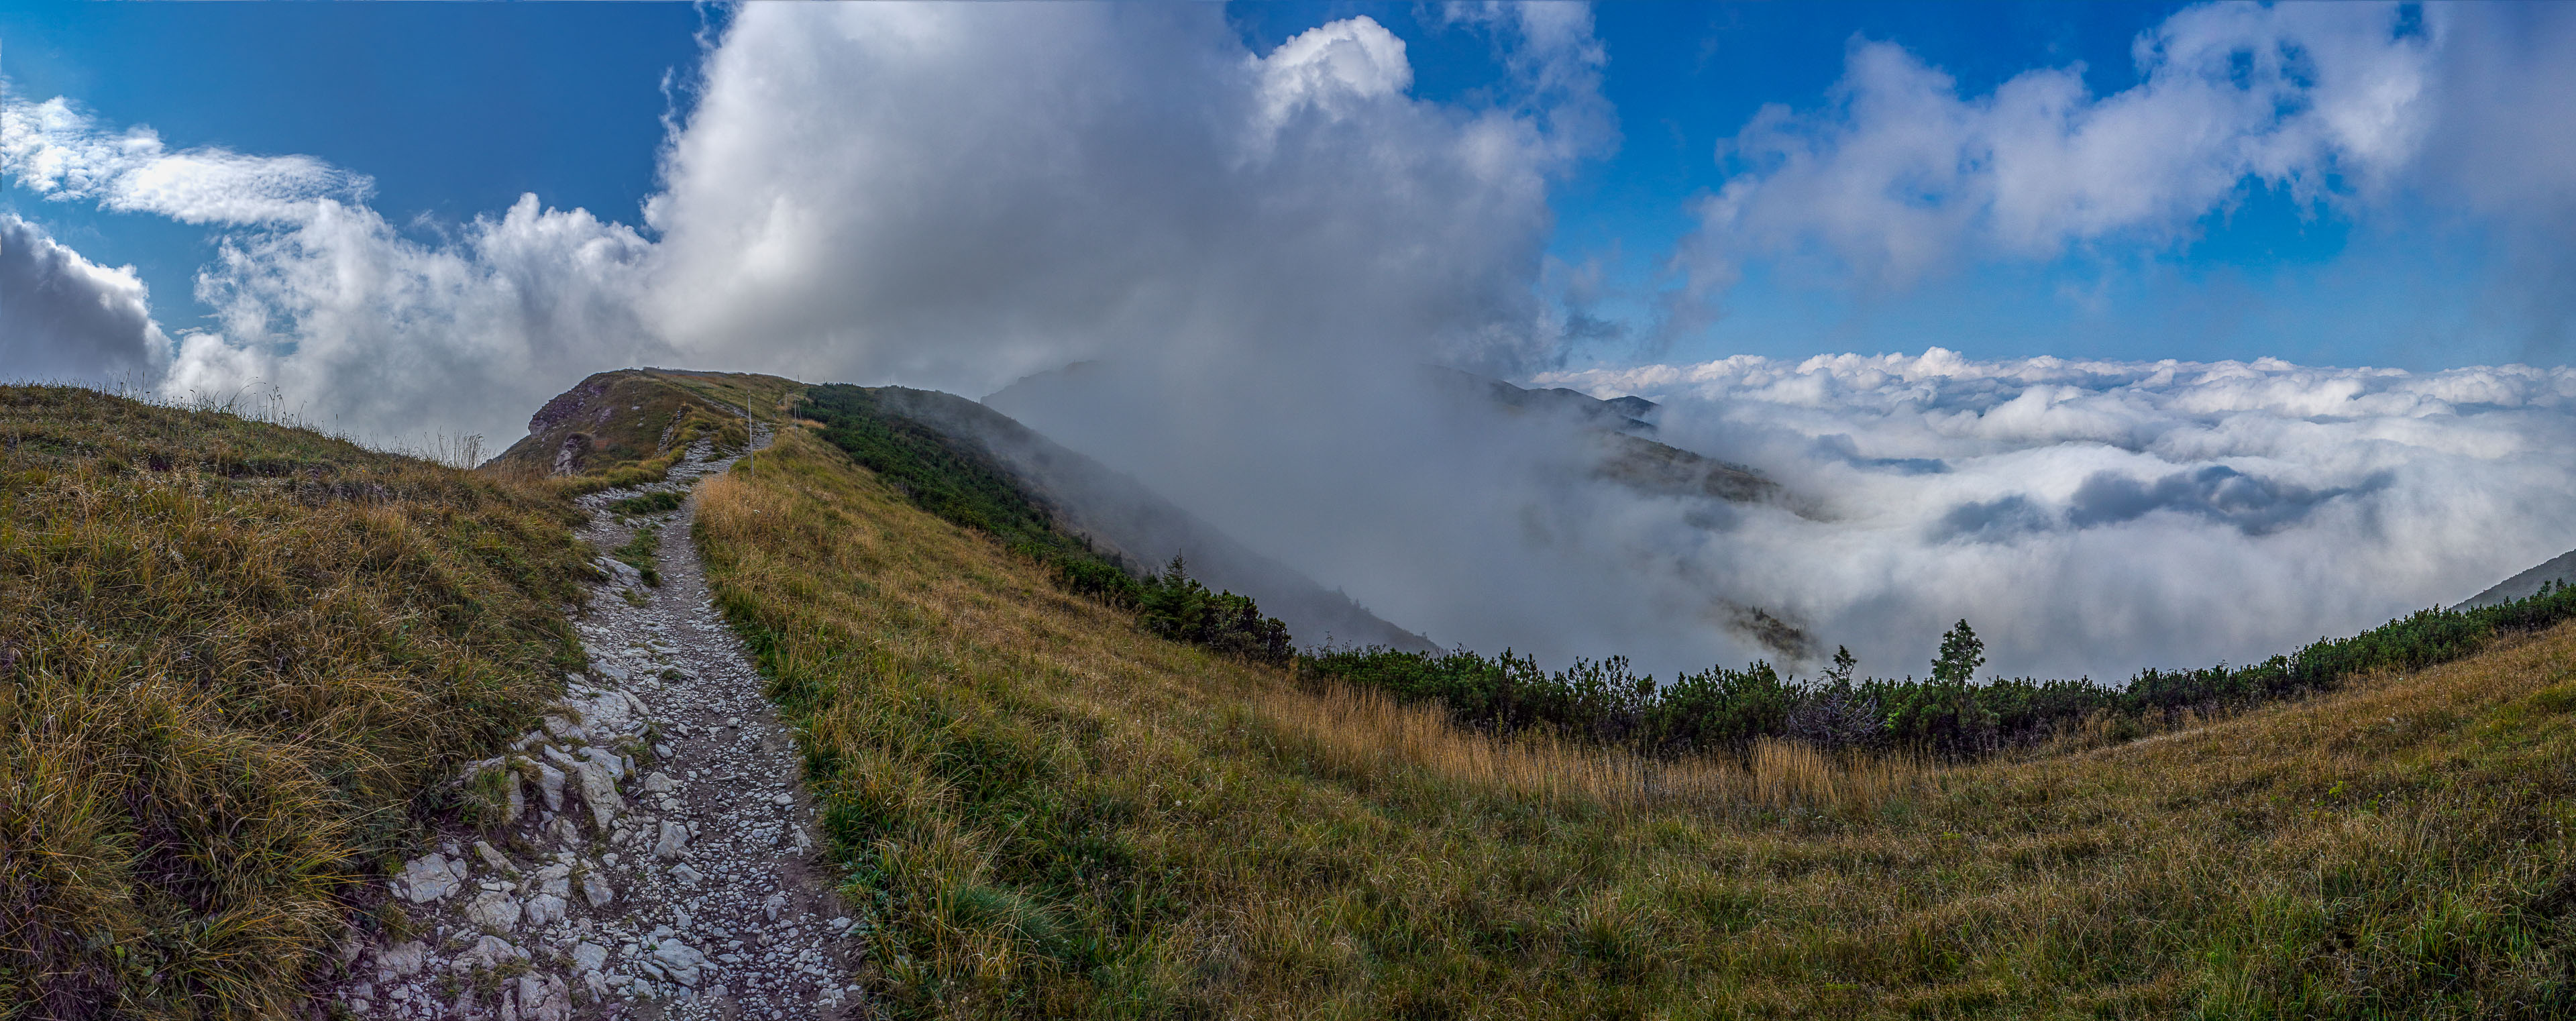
[1138,528]
[2560,569]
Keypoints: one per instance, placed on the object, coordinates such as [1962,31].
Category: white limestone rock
[683,963]
[550,785]
[543,999]
[494,910]
[429,877]
[617,765]
[599,791]
[595,889]
[402,960]
[490,952]
[672,839]
[608,713]
[544,909]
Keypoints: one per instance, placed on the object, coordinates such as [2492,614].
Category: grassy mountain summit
[638,421]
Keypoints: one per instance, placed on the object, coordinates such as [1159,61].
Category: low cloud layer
[2102,516]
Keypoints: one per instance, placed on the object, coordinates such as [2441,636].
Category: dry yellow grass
[234,658]
[1047,814]
[1359,734]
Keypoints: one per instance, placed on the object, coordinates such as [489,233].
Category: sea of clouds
[2096,517]
[1269,244]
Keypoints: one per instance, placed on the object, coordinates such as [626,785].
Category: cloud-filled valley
[1257,250]
[2099,517]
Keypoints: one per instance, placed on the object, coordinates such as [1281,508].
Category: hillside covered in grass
[627,427]
[235,661]
[1045,811]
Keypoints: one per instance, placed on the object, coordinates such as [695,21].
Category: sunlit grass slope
[235,659]
[1044,813]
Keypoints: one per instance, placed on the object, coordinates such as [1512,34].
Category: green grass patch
[641,551]
[656,502]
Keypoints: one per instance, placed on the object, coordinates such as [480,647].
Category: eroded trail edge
[652,857]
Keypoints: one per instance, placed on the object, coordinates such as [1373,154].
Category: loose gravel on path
[655,862]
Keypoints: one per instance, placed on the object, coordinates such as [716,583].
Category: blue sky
[454,110]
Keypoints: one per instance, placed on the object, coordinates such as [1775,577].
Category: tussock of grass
[650,503]
[1046,813]
[233,657]
[641,551]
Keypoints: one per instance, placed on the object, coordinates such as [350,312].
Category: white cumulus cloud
[951,195]
[1901,173]
[65,318]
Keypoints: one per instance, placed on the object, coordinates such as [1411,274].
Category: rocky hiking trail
[654,855]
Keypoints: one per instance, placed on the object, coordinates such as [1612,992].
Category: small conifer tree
[1961,654]
[1841,672]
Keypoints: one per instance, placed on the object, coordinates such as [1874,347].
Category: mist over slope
[1135,526]
[2560,569]
[1489,518]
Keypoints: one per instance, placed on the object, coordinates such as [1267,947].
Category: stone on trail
[402,960]
[544,999]
[491,952]
[494,910]
[430,877]
[673,838]
[545,909]
[599,791]
[550,783]
[680,961]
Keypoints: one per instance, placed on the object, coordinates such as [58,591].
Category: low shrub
[1949,713]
